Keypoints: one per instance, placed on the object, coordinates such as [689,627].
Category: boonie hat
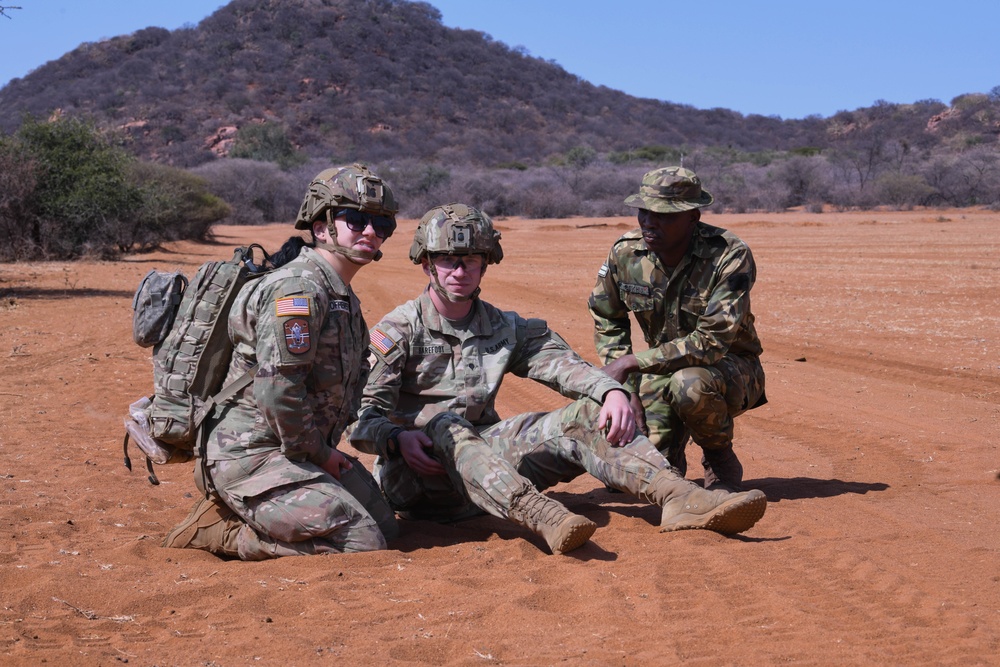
[670,190]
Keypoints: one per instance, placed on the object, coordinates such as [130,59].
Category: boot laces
[542,509]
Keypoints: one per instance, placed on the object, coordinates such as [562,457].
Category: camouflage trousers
[491,466]
[292,508]
[700,402]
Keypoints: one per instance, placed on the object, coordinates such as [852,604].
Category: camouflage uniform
[702,367]
[432,375]
[304,328]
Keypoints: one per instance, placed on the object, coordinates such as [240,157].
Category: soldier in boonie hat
[688,285]
[670,190]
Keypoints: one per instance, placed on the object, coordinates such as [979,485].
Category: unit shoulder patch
[297,335]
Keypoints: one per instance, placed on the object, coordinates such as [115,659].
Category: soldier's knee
[694,389]
[309,512]
[447,423]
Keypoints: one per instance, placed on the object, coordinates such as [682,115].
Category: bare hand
[336,463]
[412,445]
[622,367]
[639,413]
[617,419]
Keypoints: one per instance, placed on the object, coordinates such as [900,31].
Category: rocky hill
[382,79]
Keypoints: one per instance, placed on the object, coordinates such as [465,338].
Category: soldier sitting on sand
[444,453]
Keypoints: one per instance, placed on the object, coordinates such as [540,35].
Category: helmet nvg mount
[456,229]
[345,187]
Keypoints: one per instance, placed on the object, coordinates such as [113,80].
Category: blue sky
[789,58]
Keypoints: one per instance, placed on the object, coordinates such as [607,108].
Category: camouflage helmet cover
[456,229]
[670,190]
[345,187]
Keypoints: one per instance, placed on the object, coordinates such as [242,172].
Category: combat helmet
[345,187]
[455,229]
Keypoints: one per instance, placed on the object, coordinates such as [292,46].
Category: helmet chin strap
[350,253]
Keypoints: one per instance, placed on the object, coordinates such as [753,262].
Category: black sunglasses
[357,221]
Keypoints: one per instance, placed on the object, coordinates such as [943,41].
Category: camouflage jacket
[692,317]
[304,328]
[424,366]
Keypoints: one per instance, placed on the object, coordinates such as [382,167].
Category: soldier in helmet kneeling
[273,480]
[444,453]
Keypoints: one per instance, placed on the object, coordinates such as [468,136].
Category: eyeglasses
[470,263]
[358,221]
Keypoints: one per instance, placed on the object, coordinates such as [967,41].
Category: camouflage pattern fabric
[702,365]
[292,508]
[456,229]
[670,190]
[444,380]
[304,328]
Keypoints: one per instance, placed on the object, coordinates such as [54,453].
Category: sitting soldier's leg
[494,485]
[558,446]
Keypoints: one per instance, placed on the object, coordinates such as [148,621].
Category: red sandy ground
[878,452]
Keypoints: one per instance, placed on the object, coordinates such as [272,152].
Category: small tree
[82,191]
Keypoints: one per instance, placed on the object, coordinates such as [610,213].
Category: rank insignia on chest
[291,306]
[297,335]
[340,305]
[380,342]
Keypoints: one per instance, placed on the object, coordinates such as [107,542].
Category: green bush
[69,190]
[266,142]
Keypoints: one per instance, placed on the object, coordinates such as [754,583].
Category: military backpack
[187,326]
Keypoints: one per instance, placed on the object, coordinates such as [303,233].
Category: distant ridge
[385,79]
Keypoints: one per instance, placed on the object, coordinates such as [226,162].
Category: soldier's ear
[425,265]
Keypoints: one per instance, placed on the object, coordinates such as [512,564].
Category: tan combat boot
[686,505]
[211,526]
[562,530]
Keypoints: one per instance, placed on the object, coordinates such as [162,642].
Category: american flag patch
[292,305]
[380,342]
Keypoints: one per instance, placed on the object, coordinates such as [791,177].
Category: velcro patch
[340,305]
[632,288]
[297,335]
[603,271]
[380,342]
[291,306]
